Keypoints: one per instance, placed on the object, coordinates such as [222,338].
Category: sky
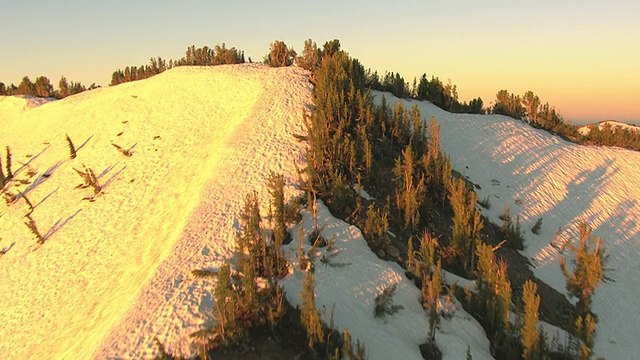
[583,57]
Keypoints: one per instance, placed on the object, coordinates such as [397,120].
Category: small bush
[537,226]
[485,203]
[384,302]
[513,234]
[506,214]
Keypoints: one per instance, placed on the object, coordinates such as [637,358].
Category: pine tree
[467,222]
[431,295]
[63,88]
[494,288]
[411,257]
[309,59]
[310,317]
[226,301]
[409,188]
[279,55]
[585,330]
[588,269]
[26,87]
[529,330]
[43,87]
[426,256]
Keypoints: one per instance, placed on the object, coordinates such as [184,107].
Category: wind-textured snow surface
[542,176]
[115,273]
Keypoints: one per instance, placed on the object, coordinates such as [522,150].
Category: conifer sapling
[72,148]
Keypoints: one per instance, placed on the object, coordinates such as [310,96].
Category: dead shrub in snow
[90,180]
[33,228]
[123,151]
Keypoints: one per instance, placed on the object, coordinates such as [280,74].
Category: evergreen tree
[279,55]
[467,222]
[494,289]
[26,87]
[529,329]
[63,88]
[433,159]
[430,297]
[276,189]
[226,301]
[531,103]
[330,47]
[588,269]
[310,317]
[585,330]
[409,188]
[423,88]
[309,59]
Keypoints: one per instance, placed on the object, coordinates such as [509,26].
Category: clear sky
[581,56]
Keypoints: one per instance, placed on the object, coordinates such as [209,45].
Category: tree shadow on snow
[59,225]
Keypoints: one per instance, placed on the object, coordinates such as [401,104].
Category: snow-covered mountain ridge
[114,273]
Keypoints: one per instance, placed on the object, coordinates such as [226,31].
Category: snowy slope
[114,273]
[543,176]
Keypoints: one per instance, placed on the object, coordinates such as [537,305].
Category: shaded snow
[542,176]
